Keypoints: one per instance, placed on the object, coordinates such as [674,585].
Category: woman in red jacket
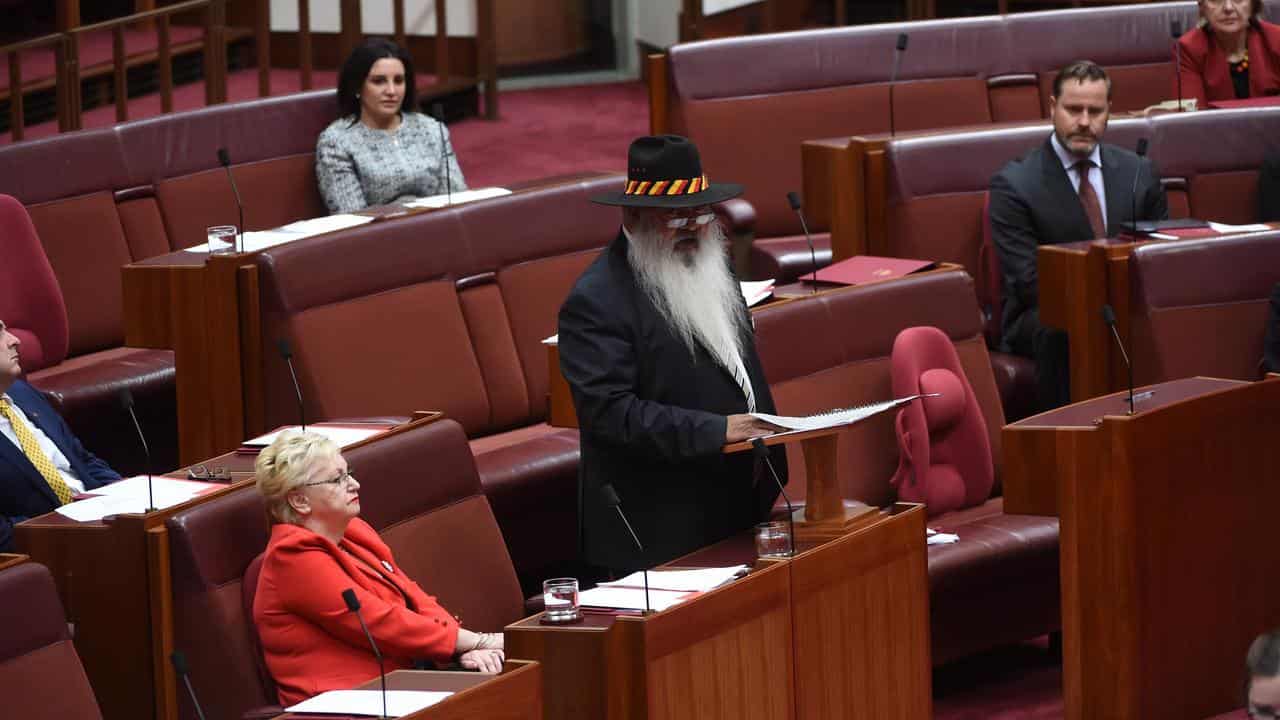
[319,547]
[1231,54]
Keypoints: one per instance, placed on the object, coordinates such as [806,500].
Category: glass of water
[773,540]
[560,598]
[222,239]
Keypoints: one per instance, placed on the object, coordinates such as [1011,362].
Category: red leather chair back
[945,459]
[30,298]
[40,674]
[249,591]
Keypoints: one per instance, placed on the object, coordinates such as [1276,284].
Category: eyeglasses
[203,472]
[344,479]
[1220,3]
[676,223]
[1263,712]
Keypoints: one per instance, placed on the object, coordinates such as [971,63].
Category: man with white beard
[657,346]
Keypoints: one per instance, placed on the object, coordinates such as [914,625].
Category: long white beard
[698,298]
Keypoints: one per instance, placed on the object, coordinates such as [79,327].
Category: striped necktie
[744,382]
[31,448]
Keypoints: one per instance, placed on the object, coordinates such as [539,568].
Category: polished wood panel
[1162,515]
[852,614]
[8,560]
[1073,289]
[861,622]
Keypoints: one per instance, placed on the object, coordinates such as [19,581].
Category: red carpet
[1020,682]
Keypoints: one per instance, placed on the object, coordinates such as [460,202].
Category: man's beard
[696,294]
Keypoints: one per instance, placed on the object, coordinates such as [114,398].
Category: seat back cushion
[30,297]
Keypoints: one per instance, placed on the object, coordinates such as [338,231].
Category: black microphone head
[1108,314]
[349,597]
[179,662]
[793,197]
[282,344]
[224,158]
[1175,29]
[610,495]
[125,396]
[1142,147]
[902,42]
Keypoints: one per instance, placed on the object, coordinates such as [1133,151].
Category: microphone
[1175,29]
[794,198]
[126,401]
[224,159]
[437,109]
[898,49]
[349,597]
[180,666]
[1109,316]
[612,500]
[1141,151]
[759,449]
[286,352]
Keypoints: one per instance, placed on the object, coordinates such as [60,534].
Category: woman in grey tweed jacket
[377,153]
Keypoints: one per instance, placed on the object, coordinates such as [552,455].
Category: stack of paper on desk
[439,201]
[666,588]
[369,702]
[254,241]
[342,435]
[130,496]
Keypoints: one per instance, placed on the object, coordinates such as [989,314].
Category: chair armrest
[738,214]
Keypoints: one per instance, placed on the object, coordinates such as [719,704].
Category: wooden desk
[1165,517]
[114,580]
[515,694]
[841,630]
[205,308]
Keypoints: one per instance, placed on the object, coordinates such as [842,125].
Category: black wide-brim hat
[664,171]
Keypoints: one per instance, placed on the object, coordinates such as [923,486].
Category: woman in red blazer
[318,549]
[1232,54]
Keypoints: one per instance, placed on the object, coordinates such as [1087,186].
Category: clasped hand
[744,427]
[486,660]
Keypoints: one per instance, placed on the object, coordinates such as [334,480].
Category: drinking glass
[224,233]
[773,540]
[560,598]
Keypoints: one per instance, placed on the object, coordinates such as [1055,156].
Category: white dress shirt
[59,460]
[1095,173]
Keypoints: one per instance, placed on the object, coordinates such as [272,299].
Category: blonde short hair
[287,463]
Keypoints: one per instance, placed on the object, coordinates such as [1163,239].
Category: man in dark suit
[1071,188]
[658,348]
[42,464]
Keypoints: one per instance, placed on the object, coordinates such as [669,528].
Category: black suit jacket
[1033,204]
[652,417]
[24,493]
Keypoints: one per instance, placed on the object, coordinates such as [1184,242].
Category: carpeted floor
[1019,682]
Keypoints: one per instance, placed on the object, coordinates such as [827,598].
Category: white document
[130,496]
[369,702]
[691,580]
[1162,236]
[756,292]
[256,240]
[1227,229]
[836,418]
[553,340]
[439,201]
[342,435]
[626,598]
[933,537]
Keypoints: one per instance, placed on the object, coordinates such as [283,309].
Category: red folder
[868,268]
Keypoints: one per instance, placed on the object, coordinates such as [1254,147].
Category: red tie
[1089,199]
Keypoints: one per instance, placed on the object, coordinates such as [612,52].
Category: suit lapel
[12,454]
[1059,185]
[1118,186]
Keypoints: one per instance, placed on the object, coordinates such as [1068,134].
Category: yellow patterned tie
[31,447]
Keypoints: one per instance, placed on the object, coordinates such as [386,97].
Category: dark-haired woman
[1232,54]
[380,151]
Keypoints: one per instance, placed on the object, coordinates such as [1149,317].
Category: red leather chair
[40,673]
[30,298]
[945,459]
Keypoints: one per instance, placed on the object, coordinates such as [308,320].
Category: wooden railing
[214,14]
[13,55]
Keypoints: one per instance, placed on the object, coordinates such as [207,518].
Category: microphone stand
[353,604]
[760,450]
[611,499]
[438,110]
